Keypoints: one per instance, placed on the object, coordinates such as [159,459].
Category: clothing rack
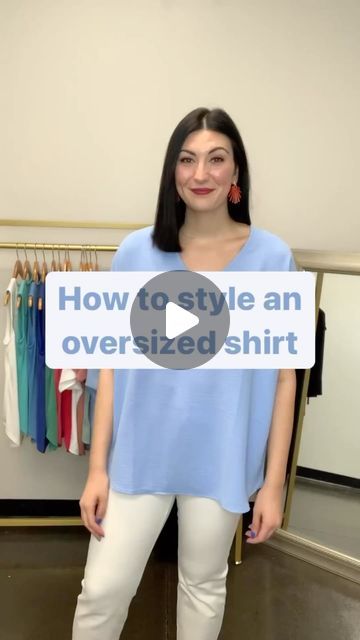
[57,247]
[74,224]
[41,246]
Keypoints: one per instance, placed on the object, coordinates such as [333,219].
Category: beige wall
[90,92]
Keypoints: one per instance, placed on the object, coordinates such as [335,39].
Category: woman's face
[206,161]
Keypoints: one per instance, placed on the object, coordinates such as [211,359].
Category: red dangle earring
[234,194]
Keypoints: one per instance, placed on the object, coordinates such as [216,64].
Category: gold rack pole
[55,246]
[79,224]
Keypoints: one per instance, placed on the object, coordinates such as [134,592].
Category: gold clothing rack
[74,224]
[55,246]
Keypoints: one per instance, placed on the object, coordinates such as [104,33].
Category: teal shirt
[51,410]
[21,355]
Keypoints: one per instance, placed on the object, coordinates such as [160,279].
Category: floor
[271,596]
[328,514]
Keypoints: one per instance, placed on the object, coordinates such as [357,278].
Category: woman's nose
[200,171]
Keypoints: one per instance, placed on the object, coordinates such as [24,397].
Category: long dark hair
[170,213]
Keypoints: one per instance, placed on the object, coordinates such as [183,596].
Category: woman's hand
[267,514]
[93,502]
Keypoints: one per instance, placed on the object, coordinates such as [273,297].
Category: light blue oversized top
[200,432]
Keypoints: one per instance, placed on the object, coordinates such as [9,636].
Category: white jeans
[116,563]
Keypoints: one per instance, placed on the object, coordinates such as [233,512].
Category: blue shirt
[194,431]
[41,440]
[32,360]
[21,355]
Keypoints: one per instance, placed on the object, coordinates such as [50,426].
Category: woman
[196,435]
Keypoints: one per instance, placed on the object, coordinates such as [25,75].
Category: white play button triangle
[178,320]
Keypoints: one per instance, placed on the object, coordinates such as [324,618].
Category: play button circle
[178,320]
[174,321]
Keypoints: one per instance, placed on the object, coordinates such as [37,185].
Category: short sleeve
[114,260]
[292,263]
[120,261]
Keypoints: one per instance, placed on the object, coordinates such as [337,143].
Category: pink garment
[63,407]
[80,417]
[68,380]
[80,374]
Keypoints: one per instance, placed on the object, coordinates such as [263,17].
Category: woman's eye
[214,160]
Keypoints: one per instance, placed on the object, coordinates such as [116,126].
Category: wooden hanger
[44,268]
[26,276]
[82,264]
[69,265]
[91,266]
[35,276]
[85,259]
[67,262]
[18,268]
[53,266]
[27,266]
[64,265]
[59,261]
[44,271]
[17,271]
[36,268]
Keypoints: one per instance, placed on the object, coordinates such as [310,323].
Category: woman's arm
[267,515]
[94,499]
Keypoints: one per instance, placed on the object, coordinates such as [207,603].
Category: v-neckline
[229,264]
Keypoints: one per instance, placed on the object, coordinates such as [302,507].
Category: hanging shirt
[51,422]
[11,405]
[83,412]
[32,362]
[194,431]
[92,378]
[91,383]
[86,429]
[51,409]
[21,354]
[315,380]
[41,440]
[63,407]
[85,420]
[69,381]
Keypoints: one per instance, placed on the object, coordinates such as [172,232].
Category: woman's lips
[202,192]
